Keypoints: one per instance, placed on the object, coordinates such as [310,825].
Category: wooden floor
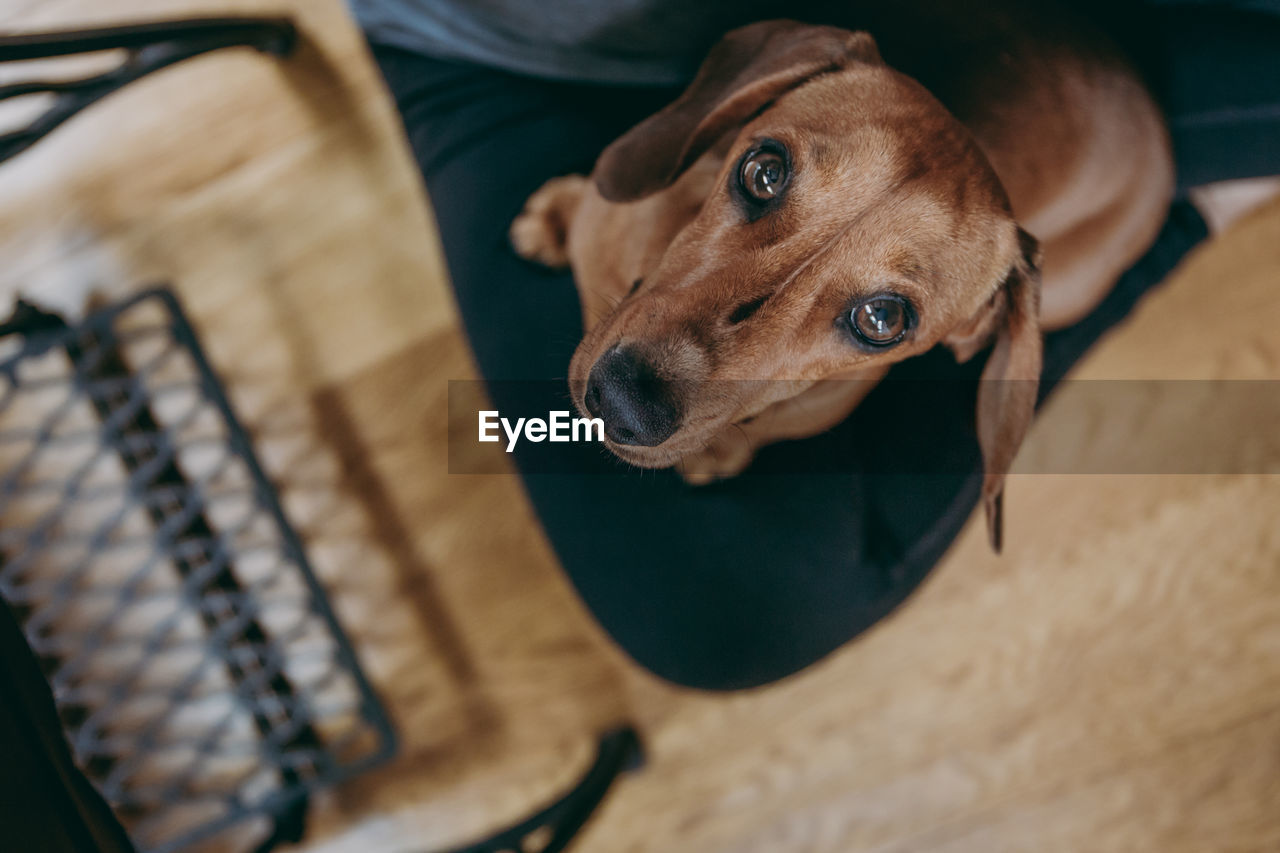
[1112,683]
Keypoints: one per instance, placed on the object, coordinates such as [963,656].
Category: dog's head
[854,223]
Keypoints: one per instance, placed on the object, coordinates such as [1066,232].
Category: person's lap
[720,587]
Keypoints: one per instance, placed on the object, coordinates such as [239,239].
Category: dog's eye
[880,320]
[763,174]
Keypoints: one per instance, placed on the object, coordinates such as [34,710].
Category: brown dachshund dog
[754,256]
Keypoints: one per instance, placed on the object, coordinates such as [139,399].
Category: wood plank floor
[1112,683]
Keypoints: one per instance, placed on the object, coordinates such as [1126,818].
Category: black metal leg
[149,47]
[618,751]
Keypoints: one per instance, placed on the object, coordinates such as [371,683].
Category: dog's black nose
[637,406]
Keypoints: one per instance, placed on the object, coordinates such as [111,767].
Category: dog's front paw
[541,232]
[721,459]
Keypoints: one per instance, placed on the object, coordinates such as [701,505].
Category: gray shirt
[658,42]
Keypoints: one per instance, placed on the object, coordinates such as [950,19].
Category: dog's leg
[1083,262]
[541,232]
[1110,212]
[816,410]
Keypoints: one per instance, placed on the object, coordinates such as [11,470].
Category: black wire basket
[201,677]
[199,671]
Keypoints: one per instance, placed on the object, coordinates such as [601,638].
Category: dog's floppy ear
[747,69]
[1011,377]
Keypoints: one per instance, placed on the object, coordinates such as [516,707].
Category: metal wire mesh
[200,674]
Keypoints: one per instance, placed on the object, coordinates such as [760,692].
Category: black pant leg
[722,587]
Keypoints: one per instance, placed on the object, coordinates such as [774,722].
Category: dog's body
[905,190]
